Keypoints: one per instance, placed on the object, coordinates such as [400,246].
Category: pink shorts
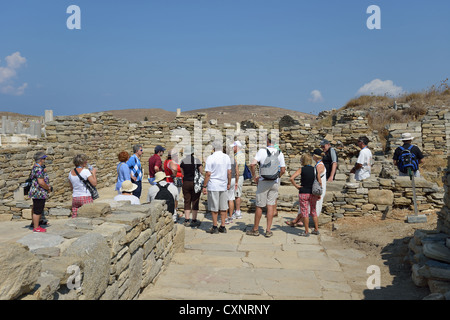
[77,202]
[307,203]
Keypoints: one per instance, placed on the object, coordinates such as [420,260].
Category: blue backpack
[406,160]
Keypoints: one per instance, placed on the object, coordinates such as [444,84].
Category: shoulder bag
[93,190]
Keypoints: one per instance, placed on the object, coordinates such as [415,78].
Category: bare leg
[270,213]
[258,215]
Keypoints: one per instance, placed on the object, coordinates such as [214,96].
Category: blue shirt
[123,173]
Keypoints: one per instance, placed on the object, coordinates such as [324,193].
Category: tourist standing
[155,164]
[416,155]
[330,159]
[322,177]
[217,182]
[239,157]
[134,163]
[233,188]
[189,165]
[80,194]
[123,171]
[39,190]
[363,164]
[307,201]
[163,190]
[271,160]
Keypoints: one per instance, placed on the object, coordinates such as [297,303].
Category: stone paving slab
[236,266]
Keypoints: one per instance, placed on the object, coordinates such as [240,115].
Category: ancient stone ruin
[142,240]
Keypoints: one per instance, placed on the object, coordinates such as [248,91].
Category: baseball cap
[324,142]
[159,148]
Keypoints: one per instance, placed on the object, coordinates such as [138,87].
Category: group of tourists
[221,180]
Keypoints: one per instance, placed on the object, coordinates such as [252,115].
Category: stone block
[94,210]
[382,197]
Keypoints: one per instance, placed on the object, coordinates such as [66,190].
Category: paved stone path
[236,266]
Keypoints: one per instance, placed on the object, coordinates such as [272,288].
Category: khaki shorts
[231,191]
[239,188]
[266,193]
[217,201]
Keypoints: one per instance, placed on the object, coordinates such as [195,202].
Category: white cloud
[8,73]
[316,96]
[378,87]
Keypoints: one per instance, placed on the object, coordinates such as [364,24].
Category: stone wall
[430,252]
[116,253]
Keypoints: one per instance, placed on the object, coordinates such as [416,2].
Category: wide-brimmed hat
[407,136]
[160,176]
[128,186]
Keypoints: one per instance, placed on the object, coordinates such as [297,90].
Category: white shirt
[218,164]
[79,188]
[153,191]
[261,156]
[364,158]
[127,197]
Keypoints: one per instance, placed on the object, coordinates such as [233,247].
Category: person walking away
[155,164]
[134,163]
[80,194]
[330,159]
[363,164]
[189,165]
[123,171]
[408,155]
[39,190]
[126,193]
[271,167]
[216,184]
[307,200]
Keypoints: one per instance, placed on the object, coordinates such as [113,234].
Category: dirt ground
[385,244]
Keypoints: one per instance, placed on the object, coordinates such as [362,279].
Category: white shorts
[217,201]
[231,191]
[266,193]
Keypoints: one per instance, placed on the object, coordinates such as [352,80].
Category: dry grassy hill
[225,114]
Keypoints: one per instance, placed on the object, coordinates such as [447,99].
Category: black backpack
[165,194]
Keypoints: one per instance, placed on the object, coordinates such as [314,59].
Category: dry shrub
[367,101]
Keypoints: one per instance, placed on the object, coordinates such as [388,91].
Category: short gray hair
[79,159]
[136,147]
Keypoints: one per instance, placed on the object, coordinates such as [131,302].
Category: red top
[154,161]
[169,171]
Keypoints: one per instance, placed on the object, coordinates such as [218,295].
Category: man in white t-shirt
[126,191]
[363,165]
[217,182]
[267,190]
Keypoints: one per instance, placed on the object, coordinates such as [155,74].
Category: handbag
[93,190]
[198,180]
[316,187]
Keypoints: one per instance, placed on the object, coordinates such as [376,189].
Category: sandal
[252,232]
[316,232]
[268,234]
[293,224]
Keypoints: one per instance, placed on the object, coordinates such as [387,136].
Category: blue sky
[302,55]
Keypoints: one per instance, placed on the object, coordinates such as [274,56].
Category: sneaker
[213,230]
[195,224]
[39,229]
[222,229]
[238,215]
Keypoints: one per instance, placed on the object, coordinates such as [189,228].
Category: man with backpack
[408,156]
[271,168]
[163,190]
[330,159]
